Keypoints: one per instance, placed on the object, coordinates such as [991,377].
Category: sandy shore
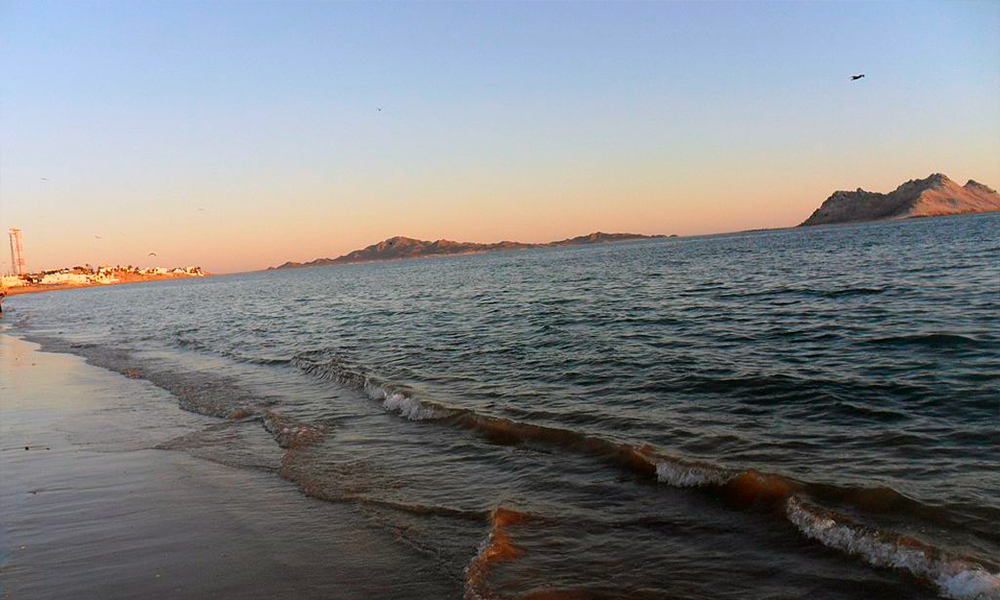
[89,509]
[37,287]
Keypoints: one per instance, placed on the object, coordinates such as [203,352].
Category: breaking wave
[680,474]
[394,398]
[955,577]
[497,546]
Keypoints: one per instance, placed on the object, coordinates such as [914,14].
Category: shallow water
[89,509]
[809,411]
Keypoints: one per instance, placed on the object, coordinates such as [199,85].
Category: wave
[423,509]
[395,398]
[744,487]
[929,340]
[187,342]
[797,291]
[261,360]
[680,474]
[290,434]
[853,291]
[497,546]
[955,577]
[959,577]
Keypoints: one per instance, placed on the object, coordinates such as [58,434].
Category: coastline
[36,288]
[350,429]
[91,507]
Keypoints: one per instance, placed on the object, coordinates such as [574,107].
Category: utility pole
[16,252]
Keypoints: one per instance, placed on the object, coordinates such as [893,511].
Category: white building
[65,278]
[11,281]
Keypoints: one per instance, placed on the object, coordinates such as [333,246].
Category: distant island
[399,247]
[934,196]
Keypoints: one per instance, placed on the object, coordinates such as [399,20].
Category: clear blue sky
[240,135]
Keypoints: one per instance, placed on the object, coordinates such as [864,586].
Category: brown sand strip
[35,288]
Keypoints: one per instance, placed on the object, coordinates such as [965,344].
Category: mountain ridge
[935,195]
[401,247]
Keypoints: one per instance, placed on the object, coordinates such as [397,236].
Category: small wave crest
[955,577]
[939,341]
[680,474]
[407,406]
[497,546]
[746,488]
[291,435]
[394,397]
[848,291]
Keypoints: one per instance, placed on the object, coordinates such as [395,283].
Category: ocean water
[769,414]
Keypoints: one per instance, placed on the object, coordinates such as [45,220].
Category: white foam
[407,407]
[474,572]
[682,475]
[374,391]
[975,583]
[955,578]
[392,399]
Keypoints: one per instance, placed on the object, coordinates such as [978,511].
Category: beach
[89,508]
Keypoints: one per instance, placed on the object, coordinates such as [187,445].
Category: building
[65,278]
[8,281]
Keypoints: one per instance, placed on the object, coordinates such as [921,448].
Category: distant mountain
[600,238]
[930,197]
[400,247]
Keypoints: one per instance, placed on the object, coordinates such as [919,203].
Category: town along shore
[79,277]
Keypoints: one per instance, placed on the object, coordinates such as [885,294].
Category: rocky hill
[400,247]
[936,195]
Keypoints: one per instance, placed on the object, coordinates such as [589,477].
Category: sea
[811,412]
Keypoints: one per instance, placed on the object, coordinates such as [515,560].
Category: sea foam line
[680,474]
[956,578]
[393,398]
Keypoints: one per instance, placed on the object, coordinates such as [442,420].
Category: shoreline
[36,288]
[93,505]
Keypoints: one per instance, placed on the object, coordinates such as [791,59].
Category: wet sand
[89,509]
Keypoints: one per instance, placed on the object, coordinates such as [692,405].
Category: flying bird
[857,77]
[152,253]
[44,178]
[97,236]
[378,108]
[201,209]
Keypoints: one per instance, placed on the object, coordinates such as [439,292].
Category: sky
[237,136]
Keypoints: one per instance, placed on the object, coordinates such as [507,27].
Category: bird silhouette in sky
[378,108]
[857,77]
[152,253]
[97,236]
[44,178]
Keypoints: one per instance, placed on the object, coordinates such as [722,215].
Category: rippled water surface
[770,415]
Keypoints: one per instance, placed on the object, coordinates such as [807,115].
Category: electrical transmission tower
[16,252]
